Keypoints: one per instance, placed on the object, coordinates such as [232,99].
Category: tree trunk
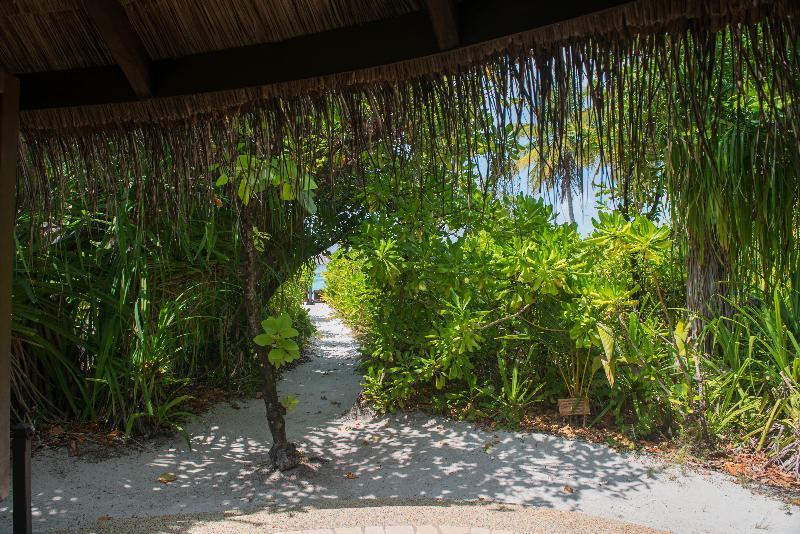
[570,205]
[707,273]
[571,177]
[283,454]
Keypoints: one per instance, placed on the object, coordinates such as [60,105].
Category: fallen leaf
[55,431]
[487,446]
[569,489]
[104,518]
[259,395]
[72,448]
[796,502]
[350,475]
[734,468]
[235,405]
[166,478]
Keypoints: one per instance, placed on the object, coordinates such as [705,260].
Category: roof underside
[50,35]
[167,60]
[60,48]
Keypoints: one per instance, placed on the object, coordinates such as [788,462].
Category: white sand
[367,516]
[397,457]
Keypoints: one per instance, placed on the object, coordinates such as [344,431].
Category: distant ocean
[319,279]
[319,272]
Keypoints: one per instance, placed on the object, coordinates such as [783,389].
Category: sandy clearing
[396,457]
[375,516]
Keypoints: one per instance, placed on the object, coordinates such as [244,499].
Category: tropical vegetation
[676,314]
[498,320]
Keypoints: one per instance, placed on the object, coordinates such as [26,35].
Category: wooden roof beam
[111,22]
[444,19]
[403,38]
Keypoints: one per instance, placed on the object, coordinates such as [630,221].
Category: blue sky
[585,207]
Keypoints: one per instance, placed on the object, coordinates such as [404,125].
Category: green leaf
[681,335]
[244,190]
[307,201]
[607,340]
[283,321]
[278,357]
[243,161]
[271,325]
[289,332]
[262,340]
[308,183]
[289,402]
[222,180]
[286,344]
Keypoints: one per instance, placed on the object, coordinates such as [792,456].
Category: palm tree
[559,165]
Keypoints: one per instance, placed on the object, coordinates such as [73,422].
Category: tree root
[284,456]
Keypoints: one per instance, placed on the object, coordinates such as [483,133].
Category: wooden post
[9,131]
[21,443]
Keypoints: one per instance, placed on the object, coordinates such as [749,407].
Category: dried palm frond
[463,106]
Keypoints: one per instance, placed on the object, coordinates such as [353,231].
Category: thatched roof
[46,35]
[172,80]
[63,39]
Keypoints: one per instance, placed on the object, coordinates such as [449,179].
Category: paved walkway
[383,461]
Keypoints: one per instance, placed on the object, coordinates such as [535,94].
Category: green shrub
[503,310]
[115,325]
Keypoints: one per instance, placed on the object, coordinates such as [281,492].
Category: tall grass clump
[118,324]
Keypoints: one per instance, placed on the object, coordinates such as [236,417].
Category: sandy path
[367,516]
[397,457]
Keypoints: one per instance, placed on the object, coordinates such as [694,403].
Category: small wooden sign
[568,407]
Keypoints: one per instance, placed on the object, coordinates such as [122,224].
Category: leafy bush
[500,307]
[495,312]
[115,325]
[754,386]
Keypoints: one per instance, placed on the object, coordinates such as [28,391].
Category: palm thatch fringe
[464,107]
